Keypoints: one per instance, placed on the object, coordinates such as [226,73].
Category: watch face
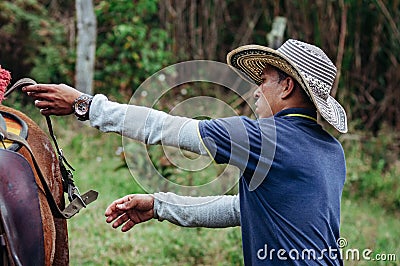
[81,107]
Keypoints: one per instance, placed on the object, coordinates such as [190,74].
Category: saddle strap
[76,204]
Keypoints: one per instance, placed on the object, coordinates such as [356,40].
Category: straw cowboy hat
[306,63]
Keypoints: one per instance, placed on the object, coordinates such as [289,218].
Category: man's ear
[289,86]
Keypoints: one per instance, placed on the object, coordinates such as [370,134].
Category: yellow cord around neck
[301,115]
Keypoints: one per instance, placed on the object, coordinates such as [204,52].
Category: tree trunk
[86,45]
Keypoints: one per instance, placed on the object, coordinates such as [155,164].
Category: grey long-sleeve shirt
[155,127]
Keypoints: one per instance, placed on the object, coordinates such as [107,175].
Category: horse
[55,233]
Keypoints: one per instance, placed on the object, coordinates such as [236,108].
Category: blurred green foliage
[373,169]
[131,45]
[33,43]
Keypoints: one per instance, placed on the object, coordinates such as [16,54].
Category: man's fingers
[129,211]
[110,209]
[112,216]
[46,108]
[131,219]
[127,202]
[37,88]
[128,226]
[46,112]
[42,104]
[112,212]
[113,206]
[122,219]
[40,96]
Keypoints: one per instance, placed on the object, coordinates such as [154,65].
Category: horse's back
[54,229]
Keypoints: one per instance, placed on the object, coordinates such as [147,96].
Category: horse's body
[55,234]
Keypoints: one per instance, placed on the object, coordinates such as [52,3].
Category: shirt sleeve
[210,212]
[245,143]
[145,124]
[227,140]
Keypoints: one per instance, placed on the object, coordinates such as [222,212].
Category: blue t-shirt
[292,175]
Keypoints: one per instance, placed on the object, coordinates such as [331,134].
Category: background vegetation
[137,38]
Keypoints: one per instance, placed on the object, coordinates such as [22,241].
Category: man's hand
[53,99]
[130,210]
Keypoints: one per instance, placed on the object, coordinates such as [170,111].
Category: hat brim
[252,59]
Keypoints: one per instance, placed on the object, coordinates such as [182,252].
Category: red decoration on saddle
[5,78]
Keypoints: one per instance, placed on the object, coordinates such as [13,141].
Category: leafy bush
[130,44]
[36,41]
[33,43]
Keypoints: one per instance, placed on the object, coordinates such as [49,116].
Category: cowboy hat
[306,63]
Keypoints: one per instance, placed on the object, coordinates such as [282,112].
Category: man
[292,171]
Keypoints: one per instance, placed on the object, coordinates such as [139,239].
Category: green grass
[366,225]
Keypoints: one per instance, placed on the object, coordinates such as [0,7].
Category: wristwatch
[81,107]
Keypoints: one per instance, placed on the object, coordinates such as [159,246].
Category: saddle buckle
[73,193]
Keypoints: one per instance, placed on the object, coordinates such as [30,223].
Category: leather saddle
[21,229]
[12,123]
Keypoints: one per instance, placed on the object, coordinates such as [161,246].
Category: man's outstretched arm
[145,124]
[137,122]
[211,212]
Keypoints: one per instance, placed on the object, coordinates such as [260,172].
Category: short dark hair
[283,75]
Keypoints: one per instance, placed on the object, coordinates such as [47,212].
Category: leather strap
[76,204]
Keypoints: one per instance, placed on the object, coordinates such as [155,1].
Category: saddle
[21,232]
[78,201]
[12,123]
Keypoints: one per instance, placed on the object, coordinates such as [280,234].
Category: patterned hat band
[256,66]
[319,88]
[306,63]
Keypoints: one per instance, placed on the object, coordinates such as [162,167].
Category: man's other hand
[130,210]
